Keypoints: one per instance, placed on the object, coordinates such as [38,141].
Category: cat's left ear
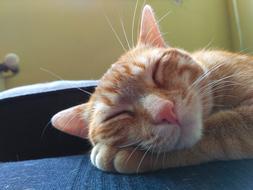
[72,121]
[149,31]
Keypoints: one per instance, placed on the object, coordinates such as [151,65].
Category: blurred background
[72,38]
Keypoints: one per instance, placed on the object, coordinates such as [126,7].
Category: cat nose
[166,113]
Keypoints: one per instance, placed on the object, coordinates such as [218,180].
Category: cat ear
[71,121]
[149,31]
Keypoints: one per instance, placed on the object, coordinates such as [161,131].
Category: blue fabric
[76,172]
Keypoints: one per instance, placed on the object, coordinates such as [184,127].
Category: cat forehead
[138,61]
[145,56]
[127,78]
[130,65]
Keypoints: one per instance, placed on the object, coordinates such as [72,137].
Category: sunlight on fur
[159,107]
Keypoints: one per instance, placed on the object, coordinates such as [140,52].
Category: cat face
[147,98]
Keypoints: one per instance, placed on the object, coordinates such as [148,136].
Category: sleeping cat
[159,107]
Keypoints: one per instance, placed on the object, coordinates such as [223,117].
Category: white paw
[102,157]
[112,159]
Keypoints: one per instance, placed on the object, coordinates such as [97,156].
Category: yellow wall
[242,27]
[73,39]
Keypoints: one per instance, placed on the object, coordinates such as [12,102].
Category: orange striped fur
[212,97]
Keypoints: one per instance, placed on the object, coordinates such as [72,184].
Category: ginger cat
[159,107]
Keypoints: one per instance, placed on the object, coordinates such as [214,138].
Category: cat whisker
[227,84]
[133,151]
[139,19]
[115,33]
[243,50]
[220,81]
[133,22]
[215,85]
[206,47]
[214,105]
[152,155]
[163,162]
[216,88]
[48,124]
[58,77]
[158,21]
[157,155]
[69,121]
[130,144]
[225,96]
[124,32]
[204,75]
[44,130]
[82,90]
[161,35]
[164,16]
[142,159]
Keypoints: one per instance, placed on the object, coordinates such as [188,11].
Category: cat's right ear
[72,121]
[149,31]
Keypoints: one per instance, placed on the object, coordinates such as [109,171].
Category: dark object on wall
[10,64]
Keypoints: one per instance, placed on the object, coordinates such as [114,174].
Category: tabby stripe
[108,132]
[155,72]
[106,101]
[189,99]
[142,66]
[117,76]
[111,89]
[127,70]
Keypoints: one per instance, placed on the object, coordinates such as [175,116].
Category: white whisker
[44,130]
[115,33]
[164,16]
[130,144]
[163,162]
[157,23]
[124,32]
[157,156]
[133,151]
[139,19]
[143,157]
[133,22]
[208,44]
[58,77]
[68,122]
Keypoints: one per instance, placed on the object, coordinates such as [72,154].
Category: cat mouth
[167,137]
[176,136]
[189,135]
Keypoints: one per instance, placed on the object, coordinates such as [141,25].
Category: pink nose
[166,113]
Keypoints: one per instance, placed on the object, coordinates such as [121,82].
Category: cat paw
[102,157]
[112,159]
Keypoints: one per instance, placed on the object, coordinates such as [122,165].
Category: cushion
[26,132]
[76,172]
[25,112]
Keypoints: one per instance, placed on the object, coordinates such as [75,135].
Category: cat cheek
[111,134]
[188,73]
[185,76]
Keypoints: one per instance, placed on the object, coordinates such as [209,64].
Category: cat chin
[168,137]
[191,126]
[177,137]
[189,135]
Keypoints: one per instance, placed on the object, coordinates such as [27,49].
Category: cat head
[147,98]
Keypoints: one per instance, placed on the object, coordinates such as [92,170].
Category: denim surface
[76,172]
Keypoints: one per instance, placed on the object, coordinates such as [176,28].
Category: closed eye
[118,114]
[155,71]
